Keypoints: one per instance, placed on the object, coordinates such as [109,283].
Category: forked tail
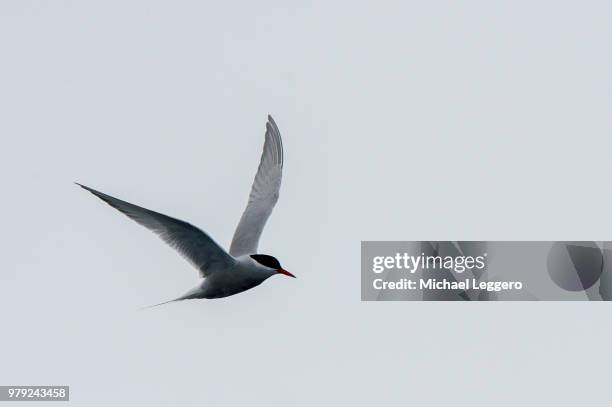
[188,296]
[162,303]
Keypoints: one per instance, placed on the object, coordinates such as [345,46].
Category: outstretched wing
[264,194]
[192,243]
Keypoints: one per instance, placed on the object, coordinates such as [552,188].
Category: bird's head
[271,263]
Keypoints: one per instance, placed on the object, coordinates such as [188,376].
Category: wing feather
[263,196]
[192,243]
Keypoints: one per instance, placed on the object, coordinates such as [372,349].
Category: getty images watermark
[485,271]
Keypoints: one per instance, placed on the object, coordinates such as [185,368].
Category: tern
[223,273]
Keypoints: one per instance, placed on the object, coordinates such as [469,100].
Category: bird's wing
[192,243]
[264,194]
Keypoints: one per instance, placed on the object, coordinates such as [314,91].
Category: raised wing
[264,194]
[192,243]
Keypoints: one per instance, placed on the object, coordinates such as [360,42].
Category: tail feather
[162,303]
[194,293]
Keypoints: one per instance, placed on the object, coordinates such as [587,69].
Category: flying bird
[223,273]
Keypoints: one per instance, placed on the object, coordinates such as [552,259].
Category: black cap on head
[265,260]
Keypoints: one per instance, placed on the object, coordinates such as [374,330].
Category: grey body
[244,275]
[223,273]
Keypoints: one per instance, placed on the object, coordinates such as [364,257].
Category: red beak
[285,272]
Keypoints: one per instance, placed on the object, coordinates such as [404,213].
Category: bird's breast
[231,281]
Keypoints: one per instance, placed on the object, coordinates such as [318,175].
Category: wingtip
[82,186]
[271,124]
[86,188]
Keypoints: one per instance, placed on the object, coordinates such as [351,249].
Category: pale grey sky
[401,120]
